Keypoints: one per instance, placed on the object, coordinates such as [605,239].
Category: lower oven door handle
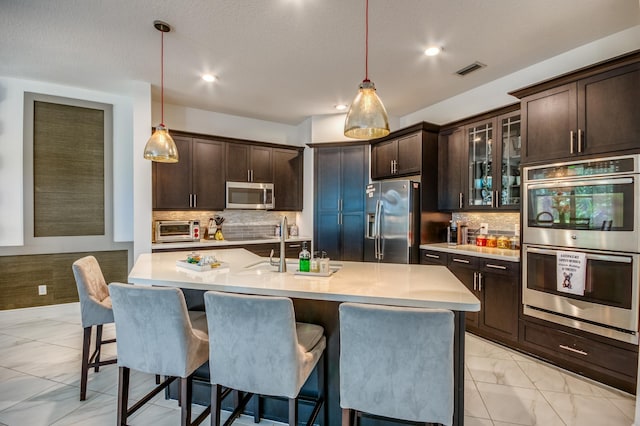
[590,256]
[570,349]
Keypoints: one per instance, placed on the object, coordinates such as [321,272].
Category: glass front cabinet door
[494,163]
[510,144]
[481,164]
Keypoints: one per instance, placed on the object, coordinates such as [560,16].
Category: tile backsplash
[238,224]
[499,223]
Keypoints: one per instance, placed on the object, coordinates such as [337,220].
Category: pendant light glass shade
[367,117]
[161,147]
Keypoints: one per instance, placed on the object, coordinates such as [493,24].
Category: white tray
[316,274]
[201,268]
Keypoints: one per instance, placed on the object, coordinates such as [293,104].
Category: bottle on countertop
[463,233]
[452,233]
[314,265]
[304,258]
[293,230]
[324,263]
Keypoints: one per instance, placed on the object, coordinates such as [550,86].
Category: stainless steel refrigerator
[392,222]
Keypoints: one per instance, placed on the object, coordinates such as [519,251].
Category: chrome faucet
[282,264]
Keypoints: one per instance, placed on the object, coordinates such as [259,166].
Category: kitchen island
[316,299]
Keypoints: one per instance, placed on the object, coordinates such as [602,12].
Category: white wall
[213,123]
[128,108]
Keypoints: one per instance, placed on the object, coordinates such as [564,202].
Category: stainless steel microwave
[249,195]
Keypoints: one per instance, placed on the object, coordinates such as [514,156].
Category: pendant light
[367,117]
[160,146]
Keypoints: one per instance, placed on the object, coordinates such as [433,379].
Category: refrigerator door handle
[377,230]
[380,242]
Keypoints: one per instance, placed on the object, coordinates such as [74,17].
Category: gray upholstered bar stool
[396,363]
[156,336]
[95,310]
[256,346]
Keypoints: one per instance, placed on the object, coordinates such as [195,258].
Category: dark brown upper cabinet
[479,163]
[249,163]
[288,178]
[194,182]
[593,111]
[397,157]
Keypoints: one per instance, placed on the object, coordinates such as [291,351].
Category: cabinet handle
[475,280]
[579,140]
[460,200]
[491,265]
[340,204]
[479,281]
[190,202]
[395,166]
[195,200]
[571,141]
[433,256]
[460,260]
[570,349]
[294,246]
[339,218]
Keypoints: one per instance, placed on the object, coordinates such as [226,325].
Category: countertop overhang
[379,283]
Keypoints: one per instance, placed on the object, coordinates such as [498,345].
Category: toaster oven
[173,231]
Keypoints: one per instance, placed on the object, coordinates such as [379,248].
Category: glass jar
[481,240]
[514,243]
[492,241]
[503,242]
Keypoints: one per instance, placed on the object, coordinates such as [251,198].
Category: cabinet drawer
[432,257]
[499,267]
[460,260]
[580,349]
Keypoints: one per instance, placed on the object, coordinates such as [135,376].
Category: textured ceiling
[285,60]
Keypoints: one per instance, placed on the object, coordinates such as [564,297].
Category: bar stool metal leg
[123,395]
[86,347]
[293,411]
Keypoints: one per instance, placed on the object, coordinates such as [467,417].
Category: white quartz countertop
[468,249]
[379,283]
[212,244]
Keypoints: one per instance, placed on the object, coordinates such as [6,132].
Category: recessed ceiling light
[341,107]
[433,51]
[209,77]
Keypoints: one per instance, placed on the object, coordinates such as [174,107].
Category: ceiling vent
[470,68]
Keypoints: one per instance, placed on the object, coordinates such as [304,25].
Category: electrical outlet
[42,290]
[484,228]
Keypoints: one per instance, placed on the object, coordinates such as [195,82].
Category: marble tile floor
[40,377]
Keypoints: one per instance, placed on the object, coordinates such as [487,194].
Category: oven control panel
[609,166]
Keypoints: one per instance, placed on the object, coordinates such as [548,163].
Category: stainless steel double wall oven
[592,207]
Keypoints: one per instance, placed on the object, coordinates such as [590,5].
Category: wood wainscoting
[21,275]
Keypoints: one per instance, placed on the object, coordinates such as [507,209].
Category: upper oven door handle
[581,182]
[590,256]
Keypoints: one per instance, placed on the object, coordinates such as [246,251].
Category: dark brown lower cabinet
[497,284]
[605,360]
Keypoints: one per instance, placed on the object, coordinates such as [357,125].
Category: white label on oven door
[572,271]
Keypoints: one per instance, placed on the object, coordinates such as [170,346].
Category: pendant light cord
[366,43]
[162,78]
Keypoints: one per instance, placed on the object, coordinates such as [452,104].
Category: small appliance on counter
[176,231]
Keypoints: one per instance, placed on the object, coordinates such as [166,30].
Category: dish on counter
[183,263]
